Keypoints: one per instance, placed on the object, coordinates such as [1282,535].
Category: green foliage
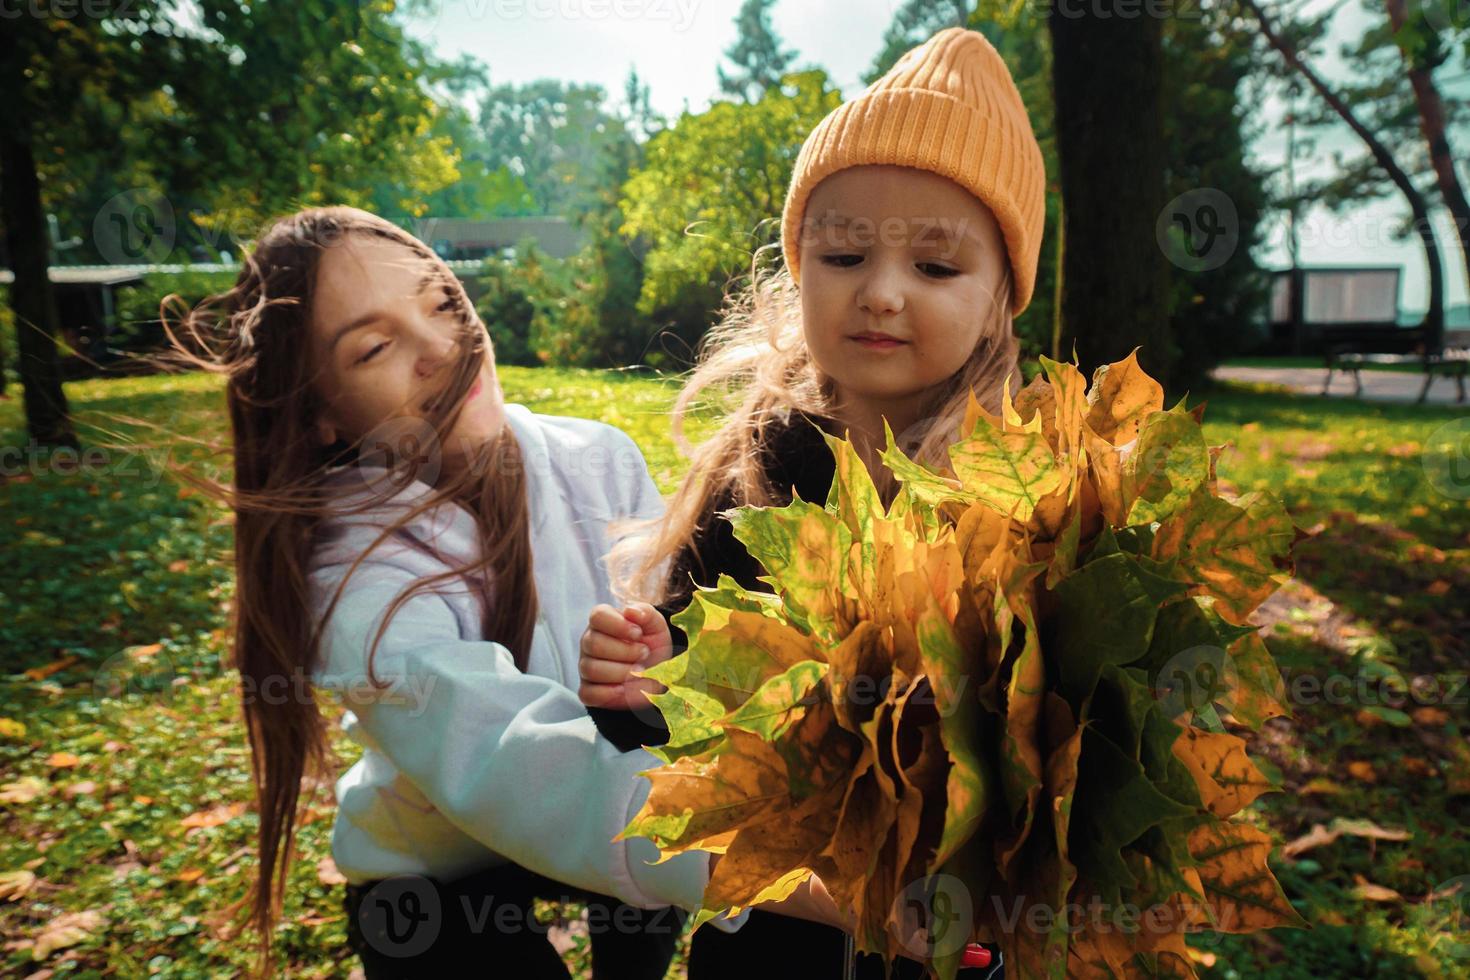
[757,58]
[708,183]
[137,310]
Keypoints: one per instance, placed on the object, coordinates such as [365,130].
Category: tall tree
[914,23]
[261,106]
[1209,119]
[758,58]
[712,187]
[1107,80]
[1423,47]
[552,135]
[1283,41]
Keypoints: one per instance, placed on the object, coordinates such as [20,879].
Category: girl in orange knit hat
[910,234]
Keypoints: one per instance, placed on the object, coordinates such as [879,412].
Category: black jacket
[795,456]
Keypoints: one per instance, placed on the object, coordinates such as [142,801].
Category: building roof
[86,275]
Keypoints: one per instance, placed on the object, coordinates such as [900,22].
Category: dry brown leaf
[1321,785]
[23,790]
[1430,717]
[213,817]
[15,884]
[188,875]
[327,873]
[1362,771]
[66,930]
[43,672]
[1369,892]
[1320,835]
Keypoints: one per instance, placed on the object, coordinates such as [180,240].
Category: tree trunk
[1107,79]
[31,297]
[1434,319]
[1431,124]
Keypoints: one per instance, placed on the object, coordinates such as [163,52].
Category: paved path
[1382,386]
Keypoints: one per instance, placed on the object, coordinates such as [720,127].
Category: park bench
[1349,348]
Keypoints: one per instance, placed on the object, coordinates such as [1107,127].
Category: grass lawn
[124,775]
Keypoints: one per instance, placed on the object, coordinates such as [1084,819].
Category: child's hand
[615,645]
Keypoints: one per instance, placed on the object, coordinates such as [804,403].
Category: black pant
[413,926]
[773,947]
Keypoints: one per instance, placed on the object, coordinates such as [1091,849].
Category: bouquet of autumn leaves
[995,702]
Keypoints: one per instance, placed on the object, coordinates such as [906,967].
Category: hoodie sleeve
[512,759]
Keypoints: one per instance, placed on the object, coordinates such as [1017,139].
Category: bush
[137,327]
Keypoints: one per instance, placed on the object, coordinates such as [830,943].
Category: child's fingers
[606,619]
[641,613]
[601,695]
[600,646]
[603,671]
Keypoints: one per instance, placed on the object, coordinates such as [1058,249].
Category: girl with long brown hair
[409,542]
[910,233]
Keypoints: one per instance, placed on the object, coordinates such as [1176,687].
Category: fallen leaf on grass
[1320,835]
[23,790]
[43,672]
[1369,892]
[189,875]
[62,760]
[1321,785]
[327,873]
[66,930]
[10,728]
[1362,771]
[15,884]
[84,788]
[212,817]
[1430,717]
[1422,768]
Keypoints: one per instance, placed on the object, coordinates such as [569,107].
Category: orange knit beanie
[951,107]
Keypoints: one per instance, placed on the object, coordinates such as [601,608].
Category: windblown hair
[257,335]
[754,368]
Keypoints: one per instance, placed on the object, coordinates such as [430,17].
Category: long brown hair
[756,365]
[257,336]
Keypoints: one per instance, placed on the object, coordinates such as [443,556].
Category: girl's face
[898,267]
[386,334]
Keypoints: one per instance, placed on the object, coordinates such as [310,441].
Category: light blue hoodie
[467,762]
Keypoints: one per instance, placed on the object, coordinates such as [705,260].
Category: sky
[676,45]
